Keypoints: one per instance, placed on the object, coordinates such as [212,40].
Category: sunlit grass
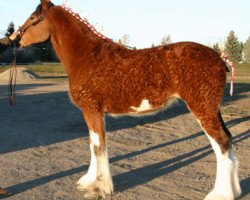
[55,68]
[242,73]
[242,70]
[45,68]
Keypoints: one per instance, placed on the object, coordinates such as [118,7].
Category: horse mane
[82,32]
[85,22]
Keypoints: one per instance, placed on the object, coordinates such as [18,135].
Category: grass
[4,68]
[242,70]
[242,73]
[45,68]
[55,68]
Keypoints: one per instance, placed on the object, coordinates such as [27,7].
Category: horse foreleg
[98,180]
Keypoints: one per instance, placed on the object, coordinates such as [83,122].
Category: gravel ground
[44,147]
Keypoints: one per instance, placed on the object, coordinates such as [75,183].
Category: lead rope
[12,80]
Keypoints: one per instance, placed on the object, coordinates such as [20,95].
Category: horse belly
[143,107]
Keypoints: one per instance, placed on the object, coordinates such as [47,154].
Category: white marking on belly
[144,106]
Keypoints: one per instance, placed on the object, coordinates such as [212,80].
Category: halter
[38,20]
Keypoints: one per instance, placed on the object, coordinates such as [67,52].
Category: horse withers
[105,77]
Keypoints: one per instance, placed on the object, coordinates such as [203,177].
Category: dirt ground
[44,147]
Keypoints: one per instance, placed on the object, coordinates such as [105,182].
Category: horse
[107,78]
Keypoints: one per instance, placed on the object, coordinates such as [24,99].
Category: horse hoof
[214,195]
[91,195]
[95,190]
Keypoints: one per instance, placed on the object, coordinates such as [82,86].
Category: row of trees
[36,53]
[237,51]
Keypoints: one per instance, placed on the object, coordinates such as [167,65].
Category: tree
[44,52]
[217,48]
[241,48]
[124,40]
[10,29]
[166,40]
[233,48]
[246,50]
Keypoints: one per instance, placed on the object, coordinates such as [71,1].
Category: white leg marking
[91,175]
[95,140]
[144,106]
[226,184]
[98,175]
[103,173]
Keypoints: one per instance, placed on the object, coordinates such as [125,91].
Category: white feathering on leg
[103,172]
[91,175]
[226,184]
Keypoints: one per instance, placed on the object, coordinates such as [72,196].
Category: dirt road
[44,147]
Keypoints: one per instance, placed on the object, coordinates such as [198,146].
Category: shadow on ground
[44,119]
[49,118]
[141,175]
[239,90]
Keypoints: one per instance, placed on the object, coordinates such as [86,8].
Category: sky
[148,21]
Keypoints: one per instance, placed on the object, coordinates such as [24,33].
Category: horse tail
[229,135]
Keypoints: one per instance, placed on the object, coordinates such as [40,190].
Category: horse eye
[32,18]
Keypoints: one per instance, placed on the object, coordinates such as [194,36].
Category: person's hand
[14,36]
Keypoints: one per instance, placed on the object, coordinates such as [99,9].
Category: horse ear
[45,4]
[45,1]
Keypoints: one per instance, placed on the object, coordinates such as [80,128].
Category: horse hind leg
[227,185]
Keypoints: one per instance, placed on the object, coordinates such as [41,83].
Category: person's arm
[4,44]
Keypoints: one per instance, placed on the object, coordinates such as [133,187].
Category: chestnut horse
[105,77]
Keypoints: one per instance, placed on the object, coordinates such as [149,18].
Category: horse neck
[71,40]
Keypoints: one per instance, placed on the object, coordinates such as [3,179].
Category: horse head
[36,28]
